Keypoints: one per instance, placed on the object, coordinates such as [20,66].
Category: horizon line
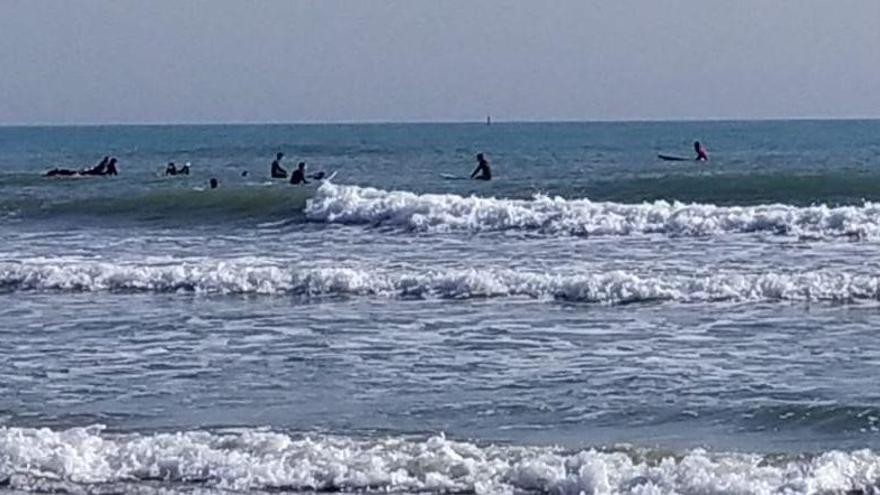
[439,121]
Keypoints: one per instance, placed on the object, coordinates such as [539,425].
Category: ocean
[593,320]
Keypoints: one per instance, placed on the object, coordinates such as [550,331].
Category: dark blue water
[594,319]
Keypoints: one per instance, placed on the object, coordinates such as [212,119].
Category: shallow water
[594,319]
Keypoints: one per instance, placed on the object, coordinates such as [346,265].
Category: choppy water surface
[593,320]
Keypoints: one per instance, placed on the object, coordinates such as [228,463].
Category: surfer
[277,170]
[184,170]
[171,169]
[482,172]
[99,169]
[702,156]
[111,168]
[213,183]
[298,176]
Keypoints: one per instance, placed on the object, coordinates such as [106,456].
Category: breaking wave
[86,460]
[581,217]
[249,276]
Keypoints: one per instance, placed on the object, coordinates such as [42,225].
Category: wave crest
[64,460]
[259,277]
[557,216]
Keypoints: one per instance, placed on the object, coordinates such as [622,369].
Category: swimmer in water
[213,183]
[482,172]
[170,169]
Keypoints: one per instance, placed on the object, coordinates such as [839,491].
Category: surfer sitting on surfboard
[298,176]
[277,171]
[482,172]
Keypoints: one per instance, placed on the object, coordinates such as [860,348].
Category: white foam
[34,459]
[249,276]
[582,217]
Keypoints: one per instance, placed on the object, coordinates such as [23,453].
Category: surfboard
[452,177]
[669,158]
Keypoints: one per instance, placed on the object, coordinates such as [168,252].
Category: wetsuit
[298,176]
[482,172]
[278,171]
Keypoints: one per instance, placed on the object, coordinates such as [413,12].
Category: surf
[267,277]
[88,458]
[557,216]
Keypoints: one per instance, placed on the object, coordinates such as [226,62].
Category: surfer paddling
[107,166]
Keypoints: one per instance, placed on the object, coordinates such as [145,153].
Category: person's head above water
[213,183]
[481,157]
[697,145]
[301,165]
[279,155]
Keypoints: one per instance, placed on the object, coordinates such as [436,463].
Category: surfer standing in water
[702,156]
[482,172]
[277,170]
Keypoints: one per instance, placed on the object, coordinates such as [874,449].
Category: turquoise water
[594,319]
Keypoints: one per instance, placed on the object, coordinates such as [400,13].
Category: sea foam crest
[250,276]
[581,217]
[76,459]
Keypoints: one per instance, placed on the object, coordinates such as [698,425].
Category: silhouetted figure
[298,176]
[244,173]
[702,156]
[277,170]
[482,172]
[170,169]
[111,168]
[213,183]
[99,169]
[184,170]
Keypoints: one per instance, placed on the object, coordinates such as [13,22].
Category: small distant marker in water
[488,119]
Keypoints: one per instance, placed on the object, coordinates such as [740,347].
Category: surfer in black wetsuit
[277,171]
[298,176]
[702,156]
[170,169]
[99,169]
[111,168]
[184,170]
[213,183]
[482,172]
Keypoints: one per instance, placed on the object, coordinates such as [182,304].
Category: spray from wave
[581,217]
[88,459]
[250,276]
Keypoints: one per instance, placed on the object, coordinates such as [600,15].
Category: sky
[191,61]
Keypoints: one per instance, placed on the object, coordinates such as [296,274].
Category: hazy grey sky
[365,60]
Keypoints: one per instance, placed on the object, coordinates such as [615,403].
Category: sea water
[593,320]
